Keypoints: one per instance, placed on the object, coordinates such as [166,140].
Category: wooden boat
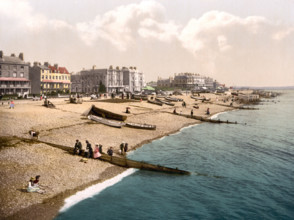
[104,113]
[141,126]
[139,97]
[75,100]
[123,162]
[171,99]
[154,102]
[106,122]
[164,102]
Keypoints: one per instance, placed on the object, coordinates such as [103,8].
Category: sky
[236,42]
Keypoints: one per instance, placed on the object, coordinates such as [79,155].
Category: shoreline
[50,207]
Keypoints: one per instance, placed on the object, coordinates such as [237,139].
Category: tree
[102,87]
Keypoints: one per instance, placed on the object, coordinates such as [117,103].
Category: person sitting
[96,152]
[110,151]
[89,150]
[127,110]
[31,187]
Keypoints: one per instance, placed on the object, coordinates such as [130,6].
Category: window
[42,77]
[0,73]
[14,75]
[59,77]
[46,77]
[21,74]
[49,77]
[62,77]
[53,77]
[21,67]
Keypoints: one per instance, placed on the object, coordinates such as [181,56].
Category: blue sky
[234,41]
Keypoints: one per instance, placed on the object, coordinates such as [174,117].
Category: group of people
[88,152]
[33,185]
[123,148]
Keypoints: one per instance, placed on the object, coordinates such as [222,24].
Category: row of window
[53,86]
[11,67]
[56,77]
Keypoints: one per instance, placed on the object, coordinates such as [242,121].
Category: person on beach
[96,152]
[128,110]
[121,146]
[192,113]
[110,151]
[126,147]
[11,104]
[31,186]
[100,148]
[175,111]
[78,147]
[207,111]
[89,150]
[36,181]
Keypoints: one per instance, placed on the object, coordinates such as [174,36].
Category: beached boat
[154,102]
[75,100]
[172,99]
[48,104]
[164,102]
[104,113]
[141,126]
[123,162]
[106,121]
[139,97]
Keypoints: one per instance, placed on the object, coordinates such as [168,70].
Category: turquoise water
[238,172]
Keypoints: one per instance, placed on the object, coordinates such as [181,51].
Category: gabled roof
[59,69]
[9,59]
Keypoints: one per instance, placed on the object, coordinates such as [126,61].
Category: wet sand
[62,174]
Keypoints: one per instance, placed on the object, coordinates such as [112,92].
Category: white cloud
[124,24]
[24,16]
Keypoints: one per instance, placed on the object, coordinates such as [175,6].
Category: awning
[148,88]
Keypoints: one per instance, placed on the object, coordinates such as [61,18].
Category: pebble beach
[63,174]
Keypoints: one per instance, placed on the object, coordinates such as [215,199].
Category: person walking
[96,152]
[126,147]
[11,104]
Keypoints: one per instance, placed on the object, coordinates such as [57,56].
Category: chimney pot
[21,56]
[1,54]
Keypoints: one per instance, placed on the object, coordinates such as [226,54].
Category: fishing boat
[171,99]
[106,121]
[104,113]
[141,126]
[154,102]
[75,100]
[139,97]
[164,102]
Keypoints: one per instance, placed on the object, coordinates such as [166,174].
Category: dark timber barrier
[119,161]
[204,119]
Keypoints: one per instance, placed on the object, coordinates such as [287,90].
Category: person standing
[110,151]
[192,113]
[207,111]
[126,147]
[122,145]
[12,104]
[96,152]
[89,149]
[78,147]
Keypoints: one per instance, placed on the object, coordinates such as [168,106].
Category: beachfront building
[133,79]
[248,97]
[47,79]
[14,75]
[165,82]
[189,80]
[113,79]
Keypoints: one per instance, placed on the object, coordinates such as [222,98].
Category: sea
[238,171]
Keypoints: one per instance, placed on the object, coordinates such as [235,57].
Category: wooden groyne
[124,162]
[235,107]
[204,119]
[118,161]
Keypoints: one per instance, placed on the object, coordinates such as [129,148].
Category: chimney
[46,64]
[36,63]
[56,66]
[21,56]
[94,66]
[12,55]
[1,54]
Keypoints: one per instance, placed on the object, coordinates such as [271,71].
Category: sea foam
[94,190]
